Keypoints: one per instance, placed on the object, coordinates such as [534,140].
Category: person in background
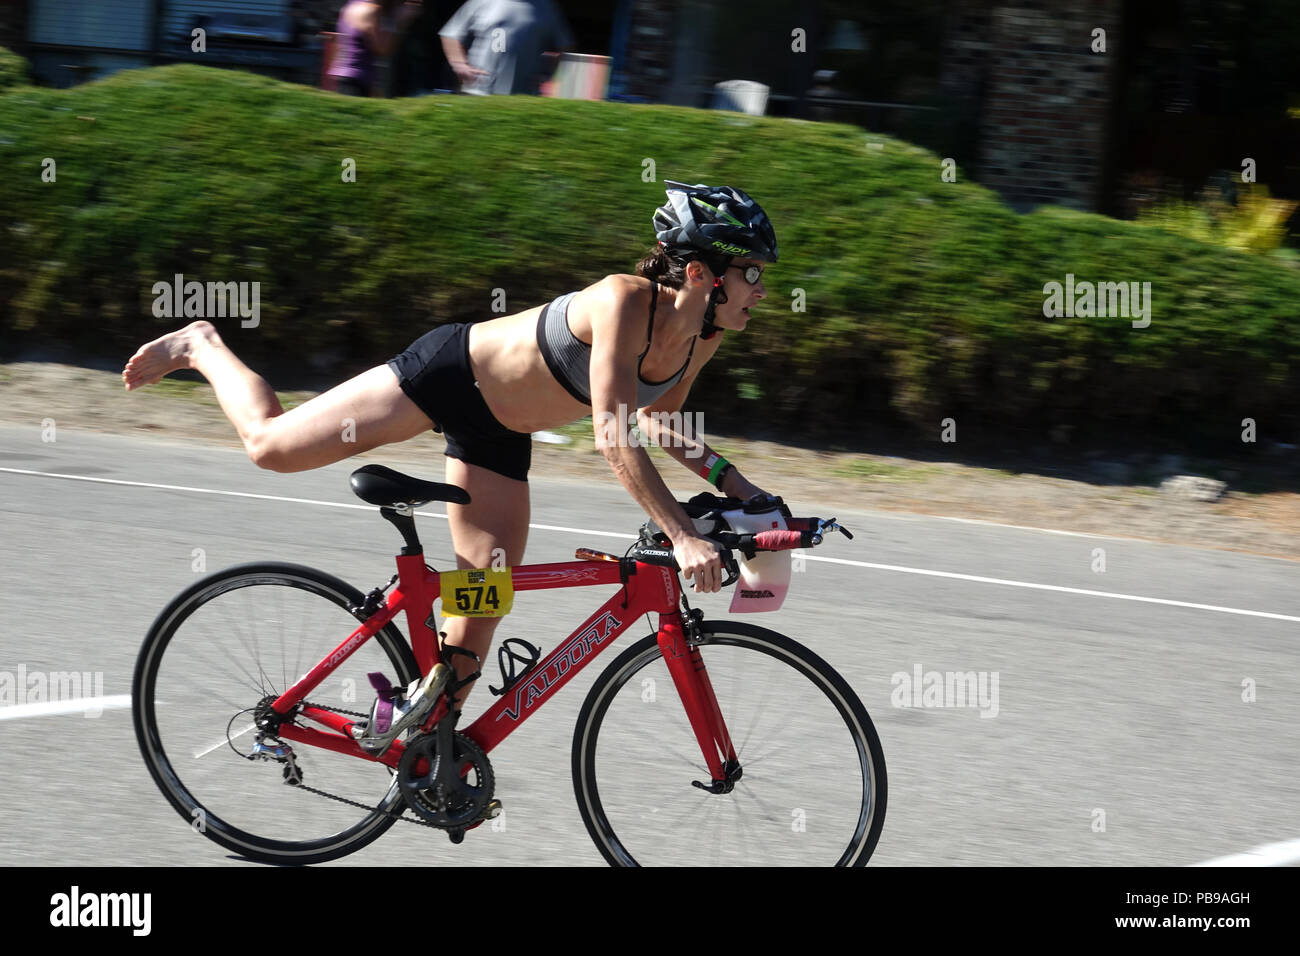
[500,46]
[362,37]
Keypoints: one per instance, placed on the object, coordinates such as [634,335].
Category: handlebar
[661,555]
[654,547]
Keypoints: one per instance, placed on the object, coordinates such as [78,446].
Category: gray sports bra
[569,358]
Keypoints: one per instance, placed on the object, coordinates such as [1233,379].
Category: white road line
[1055,587]
[920,515]
[297,501]
[201,491]
[1270,854]
[603,534]
[979,579]
[1154,542]
[222,742]
[79,706]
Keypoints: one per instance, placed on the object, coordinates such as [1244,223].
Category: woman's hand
[737,485]
[701,560]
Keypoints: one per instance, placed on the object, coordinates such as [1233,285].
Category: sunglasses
[752,273]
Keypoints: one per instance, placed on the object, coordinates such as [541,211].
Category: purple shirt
[352,58]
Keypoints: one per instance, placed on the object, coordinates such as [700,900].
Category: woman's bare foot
[174,350]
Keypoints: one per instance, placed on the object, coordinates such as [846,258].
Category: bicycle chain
[363,806]
[335,710]
[355,803]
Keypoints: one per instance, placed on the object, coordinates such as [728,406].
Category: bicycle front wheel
[812,785]
[238,638]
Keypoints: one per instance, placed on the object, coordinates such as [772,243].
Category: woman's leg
[496,517]
[362,413]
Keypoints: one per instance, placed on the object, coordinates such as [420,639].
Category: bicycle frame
[646,588]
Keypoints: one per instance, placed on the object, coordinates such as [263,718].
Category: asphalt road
[1131,707]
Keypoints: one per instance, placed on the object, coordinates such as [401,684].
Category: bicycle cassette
[454,807]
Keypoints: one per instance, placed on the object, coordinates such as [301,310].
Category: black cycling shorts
[435,374]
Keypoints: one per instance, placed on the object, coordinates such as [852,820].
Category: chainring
[466,803]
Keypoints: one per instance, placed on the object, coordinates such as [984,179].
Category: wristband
[712,469]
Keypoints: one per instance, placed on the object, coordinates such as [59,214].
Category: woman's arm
[680,436]
[691,450]
[617,335]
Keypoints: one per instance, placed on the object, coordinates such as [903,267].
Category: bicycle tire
[246,601]
[648,791]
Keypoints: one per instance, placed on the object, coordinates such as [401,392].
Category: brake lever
[830,525]
[729,565]
[732,568]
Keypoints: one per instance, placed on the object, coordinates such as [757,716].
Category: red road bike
[764,756]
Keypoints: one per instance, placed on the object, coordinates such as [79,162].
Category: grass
[172,387]
[198,390]
[866,469]
[581,436]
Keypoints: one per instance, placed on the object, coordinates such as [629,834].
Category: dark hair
[667,264]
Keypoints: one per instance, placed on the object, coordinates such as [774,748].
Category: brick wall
[1043,95]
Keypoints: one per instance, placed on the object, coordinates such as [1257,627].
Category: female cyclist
[622,344]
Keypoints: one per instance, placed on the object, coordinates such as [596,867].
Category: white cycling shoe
[394,712]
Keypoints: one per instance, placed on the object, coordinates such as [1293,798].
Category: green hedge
[924,299]
[14,70]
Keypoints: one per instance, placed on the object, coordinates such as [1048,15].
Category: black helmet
[717,220]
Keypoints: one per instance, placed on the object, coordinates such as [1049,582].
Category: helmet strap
[709,330]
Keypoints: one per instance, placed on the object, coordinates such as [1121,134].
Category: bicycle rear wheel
[812,790]
[220,647]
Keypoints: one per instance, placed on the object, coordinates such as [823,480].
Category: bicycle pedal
[490,812]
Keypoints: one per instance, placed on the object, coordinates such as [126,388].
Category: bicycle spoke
[227,647]
[800,797]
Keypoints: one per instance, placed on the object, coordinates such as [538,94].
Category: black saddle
[377,485]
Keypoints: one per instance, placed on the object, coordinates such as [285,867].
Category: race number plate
[477,592]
